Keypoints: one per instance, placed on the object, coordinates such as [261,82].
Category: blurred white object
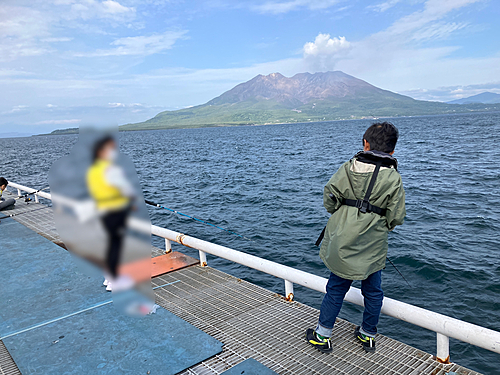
[84,210]
[122,283]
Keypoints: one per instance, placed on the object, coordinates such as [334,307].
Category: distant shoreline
[66,131]
[73,131]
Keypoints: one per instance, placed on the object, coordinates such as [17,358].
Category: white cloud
[439,30]
[433,10]
[396,58]
[56,40]
[114,7]
[27,31]
[88,9]
[23,22]
[13,73]
[325,51]
[63,2]
[16,109]
[382,7]
[452,92]
[20,29]
[59,122]
[325,45]
[126,105]
[140,45]
[278,7]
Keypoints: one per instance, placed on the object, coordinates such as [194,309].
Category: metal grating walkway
[7,364]
[253,322]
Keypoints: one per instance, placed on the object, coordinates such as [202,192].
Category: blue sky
[66,63]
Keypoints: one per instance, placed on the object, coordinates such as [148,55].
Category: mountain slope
[484,97]
[304,97]
[300,89]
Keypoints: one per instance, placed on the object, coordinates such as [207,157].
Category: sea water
[266,183]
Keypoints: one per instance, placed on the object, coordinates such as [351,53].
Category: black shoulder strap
[363,205]
[321,236]
[366,199]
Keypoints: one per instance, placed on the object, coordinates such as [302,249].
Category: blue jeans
[336,289]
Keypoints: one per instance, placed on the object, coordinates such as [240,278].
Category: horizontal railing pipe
[29,190]
[445,325]
[441,324]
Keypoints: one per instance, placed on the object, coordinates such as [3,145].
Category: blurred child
[113,195]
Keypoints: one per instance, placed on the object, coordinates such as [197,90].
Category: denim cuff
[361,330]
[323,331]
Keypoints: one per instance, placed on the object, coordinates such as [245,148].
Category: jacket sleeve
[115,176]
[396,210]
[331,193]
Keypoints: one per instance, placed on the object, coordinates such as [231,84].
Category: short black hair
[3,181]
[98,146]
[382,136]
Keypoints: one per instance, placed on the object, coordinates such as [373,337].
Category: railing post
[460,330]
[36,198]
[443,348]
[168,246]
[18,192]
[203,258]
[288,290]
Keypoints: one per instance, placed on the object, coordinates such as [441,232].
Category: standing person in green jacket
[367,200]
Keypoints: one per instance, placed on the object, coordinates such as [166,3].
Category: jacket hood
[373,157]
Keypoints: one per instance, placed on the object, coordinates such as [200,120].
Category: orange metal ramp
[172,261]
[158,266]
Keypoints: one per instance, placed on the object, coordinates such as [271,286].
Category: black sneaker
[367,341]
[323,345]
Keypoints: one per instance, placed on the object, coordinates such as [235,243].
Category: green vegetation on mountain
[63,131]
[304,97]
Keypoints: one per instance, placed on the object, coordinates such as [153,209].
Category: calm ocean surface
[266,183]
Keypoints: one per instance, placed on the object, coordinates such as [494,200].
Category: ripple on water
[266,182]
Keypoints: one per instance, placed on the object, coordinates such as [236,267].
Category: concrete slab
[39,280]
[102,341]
[249,367]
[54,319]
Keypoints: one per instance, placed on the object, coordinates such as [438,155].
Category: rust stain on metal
[445,361]
[179,238]
[284,298]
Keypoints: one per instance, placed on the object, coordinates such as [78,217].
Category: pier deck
[253,322]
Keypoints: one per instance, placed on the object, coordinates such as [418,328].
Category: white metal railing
[444,326]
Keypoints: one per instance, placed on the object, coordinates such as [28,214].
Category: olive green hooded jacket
[355,244]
